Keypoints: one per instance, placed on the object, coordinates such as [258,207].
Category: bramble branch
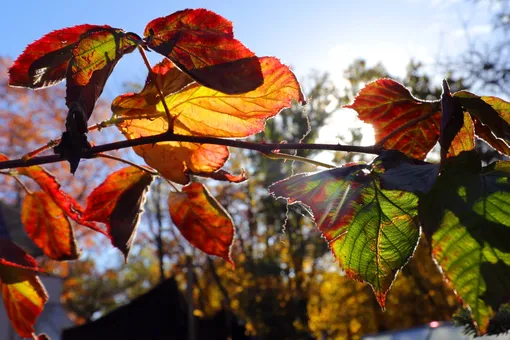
[265,148]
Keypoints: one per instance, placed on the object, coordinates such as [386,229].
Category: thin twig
[286,156]
[125,161]
[22,185]
[160,92]
[265,148]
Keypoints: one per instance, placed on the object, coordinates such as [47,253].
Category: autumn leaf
[22,292]
[200,111]
[389,107]
[484,133]
[202,44]
[118,202]
[94,58]
[47,225]
[490,111]
[170,80]
[202,220]
[173,160]
[466,215]
[24,297]
[464,140]
[45,61]
[371,231]
[50,186]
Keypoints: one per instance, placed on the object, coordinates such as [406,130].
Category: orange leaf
[485,133]
[388,106]
[202,44]
[170,80]
[48,226]
[465,138]
[49,185]
[202,220]
[44,62]
[118,202]
[174,160]
[200,111]
[24,297]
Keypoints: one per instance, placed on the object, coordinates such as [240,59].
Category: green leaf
[467,217]
[372,231]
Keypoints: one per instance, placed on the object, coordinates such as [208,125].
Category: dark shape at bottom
[159,314]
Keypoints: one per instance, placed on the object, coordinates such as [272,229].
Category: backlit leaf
[202,44]
[467,217]
[371,231]
[118,203]
[200,111]
[169,78]
[44,62]
[464,140]
[173,160]
[13,256]
[491,111]
[484,132]
[50,186]
[48,226]
[389,106]
[202,220]
[95,56]
[24,297]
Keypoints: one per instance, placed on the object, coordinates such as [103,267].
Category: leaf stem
[160,92]
[125,161]
[264,148]
[286,156]
[22,185]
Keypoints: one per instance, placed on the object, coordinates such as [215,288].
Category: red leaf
[44,62]
[202,220]
[24,297]
[49,185]
[13,256]
[202,44]
[388,106]
[118,202]
[48,226]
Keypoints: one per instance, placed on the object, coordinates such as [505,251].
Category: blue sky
[320,34]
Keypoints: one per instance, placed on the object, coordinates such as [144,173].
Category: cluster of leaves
[209,84]
[209,88]
[372,215]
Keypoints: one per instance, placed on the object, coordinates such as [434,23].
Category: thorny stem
[54,142]
[160,92]
[265,148]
